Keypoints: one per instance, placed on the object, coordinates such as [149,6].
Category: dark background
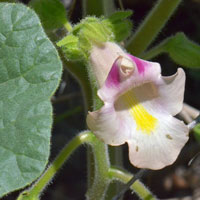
[178,180]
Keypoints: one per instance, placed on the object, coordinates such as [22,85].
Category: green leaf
[181,50]
[30,73]
[52,13]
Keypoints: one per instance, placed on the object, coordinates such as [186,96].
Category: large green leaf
[30,70]
[51,12]
[182,50]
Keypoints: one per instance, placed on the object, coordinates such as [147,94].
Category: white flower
[139,105]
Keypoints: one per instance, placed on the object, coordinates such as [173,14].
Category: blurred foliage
[52,13]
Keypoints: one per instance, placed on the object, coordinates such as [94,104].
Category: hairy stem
[35,191]
[151,26]
[138,187]
[98,180]
[101,180]
[79,72]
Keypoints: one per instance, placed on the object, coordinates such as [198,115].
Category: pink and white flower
[139,105]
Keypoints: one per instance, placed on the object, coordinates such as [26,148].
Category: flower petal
[161,148]
[171,92]
[146,68]
[158,137]
[138,108]
[116,83]
[108,126]
[170,89]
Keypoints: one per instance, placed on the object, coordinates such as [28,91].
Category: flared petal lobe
[139,105]
[171,92]
[162,147]
[108,126]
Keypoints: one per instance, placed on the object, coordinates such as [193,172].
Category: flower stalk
[138,187]
[68,26]
[101,180]
[152,25]
[35,191]
[99,163]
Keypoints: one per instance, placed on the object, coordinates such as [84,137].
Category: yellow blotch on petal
[144,121]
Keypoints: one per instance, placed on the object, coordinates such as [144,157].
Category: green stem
[99,163]
[63,156]
[109,7]
[138,187]
[101,180]
[98,7]
[151,26]
[116,159]
[121,4]
[68,26]
[155,51]
[79,72]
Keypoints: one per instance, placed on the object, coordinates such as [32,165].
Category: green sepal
[91,30]
[95,31]
[71,48]
[120,26]
[52,13]
[83,35]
